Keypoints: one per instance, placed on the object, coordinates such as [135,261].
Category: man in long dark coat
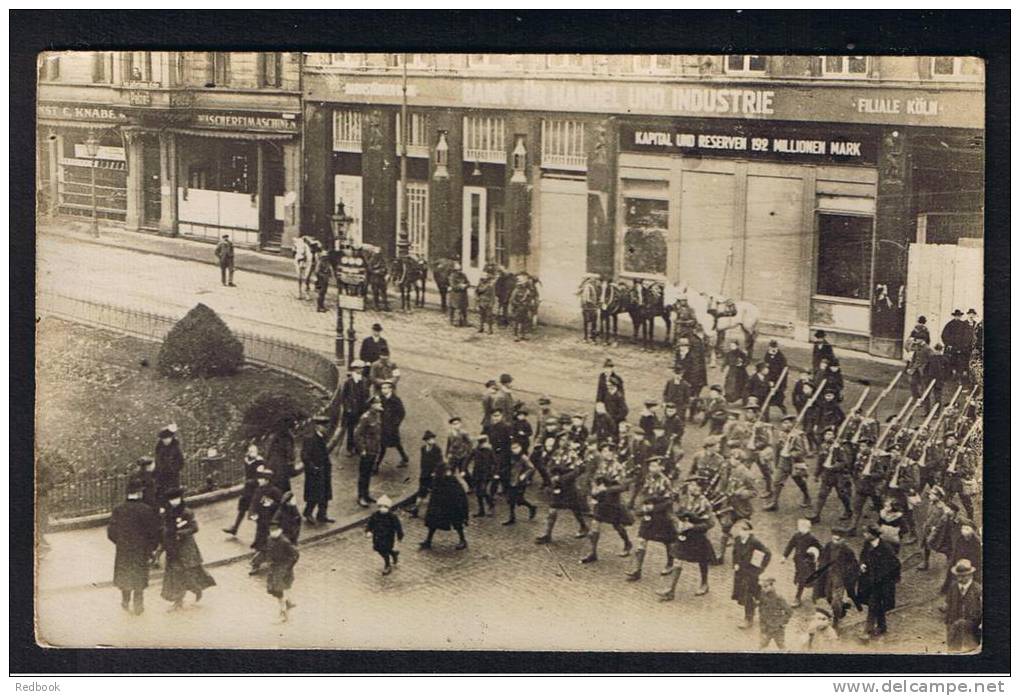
[135,530]
[318,473]
[876,584]
[393,414]
[372,346]
[607,375]
[145,478]
[963,610]
[750,559]
[448,507]
[354,397]
[677,391]
[690,358]
[280,456]
[821,350]
[958,338]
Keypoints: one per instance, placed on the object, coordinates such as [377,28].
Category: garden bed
[100,402]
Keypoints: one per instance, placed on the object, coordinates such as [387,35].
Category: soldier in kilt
[610,482]
[564,469]
[694,517]
[833,470]
[656,515]
[739,490]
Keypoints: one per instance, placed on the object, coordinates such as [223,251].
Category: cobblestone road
[504,592]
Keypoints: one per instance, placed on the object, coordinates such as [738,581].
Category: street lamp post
[339,221]
[403,238]
[92,150]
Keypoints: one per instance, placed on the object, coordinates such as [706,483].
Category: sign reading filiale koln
[753,140]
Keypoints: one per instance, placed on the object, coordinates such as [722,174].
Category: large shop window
[844,256]
[563,145]
[74,178]
[346,131]
[646,221]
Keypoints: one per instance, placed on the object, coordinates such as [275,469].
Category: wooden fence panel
[941,278]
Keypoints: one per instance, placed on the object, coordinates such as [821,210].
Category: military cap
[789,417]
[505,378]
[429,435]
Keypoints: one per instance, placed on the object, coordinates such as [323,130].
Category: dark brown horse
[409,273]
[441,269]
[644,302]
[377,272]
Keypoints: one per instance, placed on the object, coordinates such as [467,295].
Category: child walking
[282,557]
[385,530]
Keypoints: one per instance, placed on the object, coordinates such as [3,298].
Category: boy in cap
[282,557]
[821,636]
[521,429]
[430,461]
[774,614]
[385,530]
[805,548]
[458,445]
[483,471]
[489,401]
[521,471]
[750,559]
[716,410]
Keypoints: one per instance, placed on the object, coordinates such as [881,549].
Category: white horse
[306,263]
[715,328]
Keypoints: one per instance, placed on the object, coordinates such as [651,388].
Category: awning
[232,135]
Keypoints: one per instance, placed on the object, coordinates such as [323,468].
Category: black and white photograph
[643,352]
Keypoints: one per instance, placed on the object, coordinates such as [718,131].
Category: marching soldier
[656,523]
[757,438]
[829,413]
[792,450]
[708,462]
[610,483]
[833,471]
[485,297]
[564,471]
[959,473]
[694,517]
[869,479]
[739,490]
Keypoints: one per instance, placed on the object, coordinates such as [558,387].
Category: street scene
[378,351]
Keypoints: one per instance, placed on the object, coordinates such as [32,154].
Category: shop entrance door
[152,203]
[474,234]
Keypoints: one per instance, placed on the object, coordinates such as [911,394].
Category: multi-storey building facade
[793,182]
[191,143]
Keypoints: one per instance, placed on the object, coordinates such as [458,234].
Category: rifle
[765,407]
[883,436]
[937,428]
[951,469]
[910,413]
[827,464]
[894,482]
[867,414]
[785,452]
[970,399]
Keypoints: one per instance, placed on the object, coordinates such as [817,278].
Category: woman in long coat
[184,571]
[169,463]
[448,507]
[735,373]
[280,456]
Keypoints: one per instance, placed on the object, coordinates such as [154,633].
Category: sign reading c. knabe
[755,140]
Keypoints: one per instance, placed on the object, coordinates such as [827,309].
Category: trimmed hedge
[200,345]
[271,413]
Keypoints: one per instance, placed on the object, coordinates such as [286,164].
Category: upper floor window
[485,60]
[746,64]
[346,131]
[573,62]
[845,66]
[563,145]
[102,67]
[49,68]
[138,66]
[350,60]
[420,61]
[417,134]
[485,139]
[270,69]
[219,70]
[946,66]
[651,64]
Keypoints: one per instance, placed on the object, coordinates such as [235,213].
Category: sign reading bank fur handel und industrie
[766,141]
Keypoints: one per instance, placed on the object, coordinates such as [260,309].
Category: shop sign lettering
[249,121]
[919,106]
[80,113]
[747,141]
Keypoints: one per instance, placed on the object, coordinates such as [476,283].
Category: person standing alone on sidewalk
[354,397]
[393,414]
[225,255]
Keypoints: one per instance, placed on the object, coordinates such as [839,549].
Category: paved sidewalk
[85,556]
[549,343]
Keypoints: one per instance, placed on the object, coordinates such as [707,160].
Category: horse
[441,269]
[600,305]
[644,302]
[588,291]
[523,304]
[410,273]
[505,284]
[376,272]
[715,321]
[306,263]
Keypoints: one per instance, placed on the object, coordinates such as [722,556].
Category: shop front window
[844,256]
[646,222]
